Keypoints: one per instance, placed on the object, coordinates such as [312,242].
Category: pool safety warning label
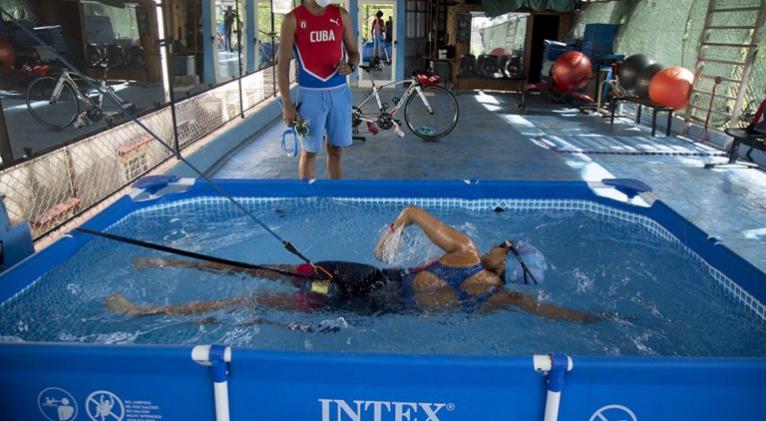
[103,405]
[56,404]
[141,411]
[613,412]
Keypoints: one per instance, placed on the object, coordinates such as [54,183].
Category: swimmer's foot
[207,321]
[121,305]
[143,263]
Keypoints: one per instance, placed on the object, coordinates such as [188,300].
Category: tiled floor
[493,141]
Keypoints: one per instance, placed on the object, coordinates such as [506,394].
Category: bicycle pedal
[81,120]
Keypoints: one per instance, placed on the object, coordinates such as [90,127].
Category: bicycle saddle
[374,65]
[425,78]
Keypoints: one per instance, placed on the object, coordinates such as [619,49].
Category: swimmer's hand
[325,326]
[617,317]
[388,245]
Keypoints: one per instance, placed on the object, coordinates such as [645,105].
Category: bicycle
[55,102]
[430,112]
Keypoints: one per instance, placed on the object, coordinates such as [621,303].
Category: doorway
[543,27]
[377,40]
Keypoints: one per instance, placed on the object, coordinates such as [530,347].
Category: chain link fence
[670,32]
[51,189]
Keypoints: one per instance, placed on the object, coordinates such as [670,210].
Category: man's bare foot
[121,305]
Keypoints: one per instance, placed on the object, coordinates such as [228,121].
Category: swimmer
[461,279]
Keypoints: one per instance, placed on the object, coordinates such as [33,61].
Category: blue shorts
[326,110]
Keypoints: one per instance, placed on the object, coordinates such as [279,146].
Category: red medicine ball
[571,71]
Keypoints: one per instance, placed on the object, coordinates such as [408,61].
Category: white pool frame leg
[555,366]
[217,357]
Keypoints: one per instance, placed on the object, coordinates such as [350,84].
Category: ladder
[737,74]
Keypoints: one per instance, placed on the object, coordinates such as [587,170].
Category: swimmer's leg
[121,305]
[301,301]
[220,268]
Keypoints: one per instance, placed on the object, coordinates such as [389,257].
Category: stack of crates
[598,40]
[552,50]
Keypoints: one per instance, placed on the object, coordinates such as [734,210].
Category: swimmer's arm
[505,298]
[444,236]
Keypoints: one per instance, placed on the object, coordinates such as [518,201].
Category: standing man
[378,33]
[320,34]
[228,23]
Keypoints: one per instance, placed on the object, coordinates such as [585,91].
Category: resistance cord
[134,118]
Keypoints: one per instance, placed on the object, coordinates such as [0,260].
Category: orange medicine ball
[7,55]
[571,71]
[672,87]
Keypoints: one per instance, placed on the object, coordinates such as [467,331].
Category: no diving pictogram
[613,413]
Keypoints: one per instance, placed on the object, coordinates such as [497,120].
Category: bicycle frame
[66,78]
[413,88]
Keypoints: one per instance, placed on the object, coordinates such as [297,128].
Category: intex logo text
[340,410]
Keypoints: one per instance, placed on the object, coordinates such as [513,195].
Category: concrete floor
[493,141]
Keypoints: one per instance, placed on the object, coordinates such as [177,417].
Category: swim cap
[533,260]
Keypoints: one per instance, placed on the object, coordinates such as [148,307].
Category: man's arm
[350,42]
[286,43]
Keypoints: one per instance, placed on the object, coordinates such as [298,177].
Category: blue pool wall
[291,385]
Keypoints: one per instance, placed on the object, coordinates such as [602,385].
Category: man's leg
[314,110]
[334,165]
[338,130]
[307,165]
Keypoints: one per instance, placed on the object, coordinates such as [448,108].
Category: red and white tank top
[319,47]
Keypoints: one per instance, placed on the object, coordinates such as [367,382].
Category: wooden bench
[644,103]
[742,137]
[55,213]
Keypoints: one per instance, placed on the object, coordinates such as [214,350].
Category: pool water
[657,298]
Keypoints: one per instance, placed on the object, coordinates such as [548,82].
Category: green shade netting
[494,8]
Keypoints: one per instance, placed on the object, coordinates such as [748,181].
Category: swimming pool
[337,376]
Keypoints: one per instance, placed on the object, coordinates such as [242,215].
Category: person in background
[320,36]
[229,16]
[378,33]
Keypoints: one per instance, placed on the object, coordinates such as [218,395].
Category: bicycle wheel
[439,121]
[56,114]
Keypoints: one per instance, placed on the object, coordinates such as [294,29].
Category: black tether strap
[186,253]
[134,118]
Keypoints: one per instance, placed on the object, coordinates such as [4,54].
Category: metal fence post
[272,33]
[6,153]
[240,38]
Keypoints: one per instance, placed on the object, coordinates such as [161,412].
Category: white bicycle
[59,102]
[430,111]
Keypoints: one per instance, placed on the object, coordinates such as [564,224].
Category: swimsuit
[366,289]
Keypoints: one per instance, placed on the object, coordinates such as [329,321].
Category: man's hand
[289,114]
[343,68]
